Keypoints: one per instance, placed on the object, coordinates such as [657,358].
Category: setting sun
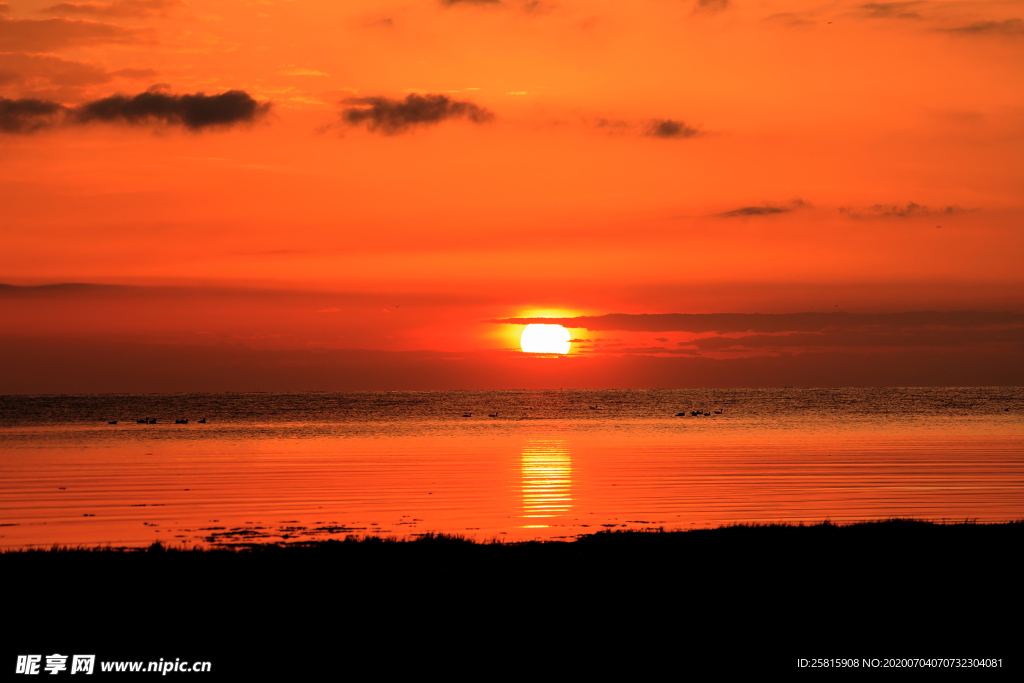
[545,339]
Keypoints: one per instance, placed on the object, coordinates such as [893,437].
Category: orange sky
[582,158]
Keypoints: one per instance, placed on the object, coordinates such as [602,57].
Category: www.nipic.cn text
[33,665]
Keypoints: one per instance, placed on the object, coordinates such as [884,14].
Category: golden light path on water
[547,481]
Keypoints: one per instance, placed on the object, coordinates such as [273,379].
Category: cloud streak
[49,70]
[890,10]
[194,112]
[739,333]
[670,129]
[28,115]
[191,111]
[44,35]
[711,6]
[727,323]
[120,8]
[1006,27]
[865,338]
[908,210]
[391,117]
[763,210]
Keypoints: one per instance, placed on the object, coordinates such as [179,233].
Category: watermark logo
[32,665]
[55,663]
[28,664]
[83,664]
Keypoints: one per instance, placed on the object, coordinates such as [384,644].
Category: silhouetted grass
[878,531]
[898,587]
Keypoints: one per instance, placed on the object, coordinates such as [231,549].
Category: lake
[511,465]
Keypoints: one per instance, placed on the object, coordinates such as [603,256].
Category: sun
[545,339]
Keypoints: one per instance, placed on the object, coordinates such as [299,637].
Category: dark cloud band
[192,111]
[667,128]
[397,116]
[753,211]
[890,10]
[1006,27]
[865,337]
[27,115]
[908,210]
[711,6]
[699,323]
[763,209]
[195,112]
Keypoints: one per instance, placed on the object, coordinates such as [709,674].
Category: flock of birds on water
[682,414]
[692,413]
[153,421]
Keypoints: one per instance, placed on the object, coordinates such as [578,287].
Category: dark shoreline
[768,593]
[887,530]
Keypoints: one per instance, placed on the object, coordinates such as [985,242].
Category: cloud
[298,71]
[667,128]
[538,7]
[1007,27]
[978,331]
[792,19]
[699,323]
[754,211]
[868,337]
[27,115]
[4,8]
[763,210]
[1013,27]
[36,71]
[890,10]
[194,112]
[612,123]
[711,6]
[653,351]
[44,35]
[908,210]
[134,73]
[397,116]
[657,128]
[68,365]
[120,8]
[449,3]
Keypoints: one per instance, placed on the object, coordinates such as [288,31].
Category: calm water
[512,465]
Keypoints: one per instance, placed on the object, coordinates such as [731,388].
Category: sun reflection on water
[547,481]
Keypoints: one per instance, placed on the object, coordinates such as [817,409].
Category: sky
[310,195]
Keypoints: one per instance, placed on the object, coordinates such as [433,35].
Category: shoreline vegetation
[881,531]
[630,601]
